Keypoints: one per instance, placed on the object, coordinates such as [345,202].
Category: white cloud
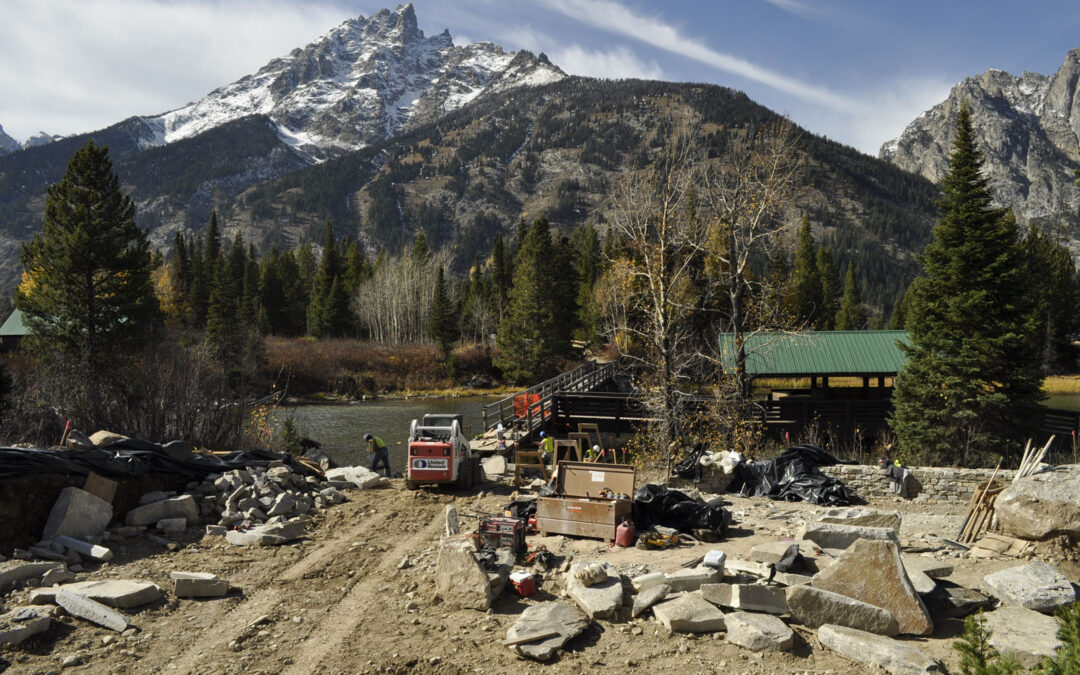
[71,66]
[796,7]
[654,30]
[886,112]
[616,63]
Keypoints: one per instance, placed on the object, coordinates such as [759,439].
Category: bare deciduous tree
[394,304]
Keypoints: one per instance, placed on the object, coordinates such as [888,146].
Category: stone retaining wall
[932,485]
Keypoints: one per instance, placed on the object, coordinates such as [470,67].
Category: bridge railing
[534,404]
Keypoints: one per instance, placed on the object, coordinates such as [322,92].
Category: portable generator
[503,532]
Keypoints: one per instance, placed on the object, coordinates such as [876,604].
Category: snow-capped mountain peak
[7,143]
[362,81]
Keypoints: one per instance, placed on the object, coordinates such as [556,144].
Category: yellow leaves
[29,282]
[167,290]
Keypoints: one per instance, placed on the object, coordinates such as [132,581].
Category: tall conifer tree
[851,316]
[806,282]
[973,362]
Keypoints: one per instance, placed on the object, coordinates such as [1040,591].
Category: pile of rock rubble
[260,505]
[852,585]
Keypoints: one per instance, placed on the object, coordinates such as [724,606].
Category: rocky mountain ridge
[7,143]
[361,82]
[1028,128]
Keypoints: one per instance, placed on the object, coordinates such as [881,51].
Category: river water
[340,428]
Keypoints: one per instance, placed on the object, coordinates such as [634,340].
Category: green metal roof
[14,326]
[842,352]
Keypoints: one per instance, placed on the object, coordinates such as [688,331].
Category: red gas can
[625,534]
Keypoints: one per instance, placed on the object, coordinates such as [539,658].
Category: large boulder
[1022,633]
[892,655]
[560,617]
[814,607]
[1036,585]
[460,580]
[872,571]
[77,513]
[1042,505]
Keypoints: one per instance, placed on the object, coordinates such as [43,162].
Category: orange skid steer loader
[440,453]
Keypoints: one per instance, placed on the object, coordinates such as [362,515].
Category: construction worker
[547,447]
[377,447]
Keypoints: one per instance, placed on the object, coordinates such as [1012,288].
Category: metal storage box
[577,507]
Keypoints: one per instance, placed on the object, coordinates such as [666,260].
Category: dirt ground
[356,596]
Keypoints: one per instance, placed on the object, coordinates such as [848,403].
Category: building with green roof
[12,331]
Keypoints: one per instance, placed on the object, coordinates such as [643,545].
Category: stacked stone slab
[1037,585]
[689,613]
[892,655]
[873,572]
[758,632]
[814,607]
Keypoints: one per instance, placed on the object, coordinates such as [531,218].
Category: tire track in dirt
[279,588]
[344,622]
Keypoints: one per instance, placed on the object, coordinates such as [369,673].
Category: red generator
[502,532]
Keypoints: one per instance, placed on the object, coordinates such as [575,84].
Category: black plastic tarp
[793,476]
[659,505]
[117,461]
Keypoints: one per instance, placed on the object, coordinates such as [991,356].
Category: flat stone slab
[1024,633]
[22,623]
[832,535]
[92,611]
[359,476]
[737,567]
[686,580]
[123,593]
[1042,505]
[758,632]
[814,607]
[494,466]
[198,585]
[931,567]
[77,513]
[1037,585]
[856,515]
[561,617]
[14,571]
[649,597]
[95,551]
[599,601]
[872,571]
[689,614]
[892,655]
[774,551]
[183,506]
[921,581]
[267,535]
[460,580]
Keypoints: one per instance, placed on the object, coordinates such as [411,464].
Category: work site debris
[1042,505]
[861,516]
[831,535]
[658,505]
[1022,633]
[873,572]
[1037,585]
[877,650]
[453,527]
[689,613]
[758,632]
[120,593]
[198,585]
[991,545]
[792,476]
[90,610]
[814,607]
[589,573]
[560,618]
[601,600]
[22,623]
[77,513]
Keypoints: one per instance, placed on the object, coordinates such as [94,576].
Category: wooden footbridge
[582,394]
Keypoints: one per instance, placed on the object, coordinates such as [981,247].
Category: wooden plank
[100,486]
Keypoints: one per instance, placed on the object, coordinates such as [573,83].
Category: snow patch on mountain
[359,83]
[7,143]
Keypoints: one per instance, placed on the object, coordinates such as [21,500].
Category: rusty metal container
[578,509]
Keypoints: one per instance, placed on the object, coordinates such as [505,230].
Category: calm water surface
[340,428]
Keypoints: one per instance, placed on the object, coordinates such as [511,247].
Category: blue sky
[856,72]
